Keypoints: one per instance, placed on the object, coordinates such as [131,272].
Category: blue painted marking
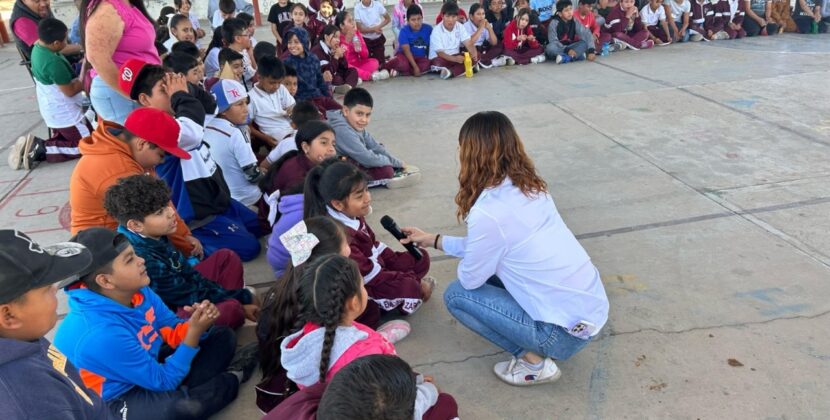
[761,294]
[599,380]
[784,310]
[742,103]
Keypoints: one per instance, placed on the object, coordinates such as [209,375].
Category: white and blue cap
[227,92]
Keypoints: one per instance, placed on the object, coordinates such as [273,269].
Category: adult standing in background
[524,282]
[26,15]
[115,31]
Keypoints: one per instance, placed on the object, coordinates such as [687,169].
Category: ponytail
[266,184]
[333,179]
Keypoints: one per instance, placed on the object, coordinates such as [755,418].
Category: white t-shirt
[371,15]
[677,10]
[285,145]
[652,17]
[270,111]
[212,63]
[217,19]
[471,28]
[58,110]
[449,42]
[231,149]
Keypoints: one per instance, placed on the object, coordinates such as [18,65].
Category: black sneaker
[34,151]
[245,360]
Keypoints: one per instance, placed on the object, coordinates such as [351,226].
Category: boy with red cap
[30,366]
[199,191]
[113,152]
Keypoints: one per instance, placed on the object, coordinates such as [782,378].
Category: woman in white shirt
[524,282]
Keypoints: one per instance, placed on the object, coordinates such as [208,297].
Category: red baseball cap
[157,127]
[128,74]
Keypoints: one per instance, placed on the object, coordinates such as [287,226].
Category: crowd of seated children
[270,104]
[484,38]
[568,39]
[183,7]
[60,101]
[412,55]
[356,144]
[141,205]
[226,10]
[332,56]
[310,83]
[370,17]
[135,352]
[299,19]
[445,43]
[181,29]
[356,51]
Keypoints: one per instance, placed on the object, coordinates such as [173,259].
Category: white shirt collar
[325,47]
[354,224]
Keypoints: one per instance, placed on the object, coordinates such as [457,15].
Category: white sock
[536,366]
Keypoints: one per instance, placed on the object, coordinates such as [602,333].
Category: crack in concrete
[453,362]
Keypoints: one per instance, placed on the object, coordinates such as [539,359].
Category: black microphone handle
[393,228]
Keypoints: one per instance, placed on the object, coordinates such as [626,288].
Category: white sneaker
[445,73]
[411,169]
[626,45]
[403,180]
[393,73]
[510,61]
[721,36]
[342,89]
[380,75]
[514,372]
[359,81]
[538,59]
[499,61]
[394,330]
[487,66]
[16,153]
[695,37]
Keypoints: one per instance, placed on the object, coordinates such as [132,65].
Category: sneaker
[476,68]
[342,89]
[245,360]
[510,61]
[17,151]
[515,372]
[486,66]
[359,81]
[393,73]
[562,59]
[499,61]
[411,169]
[428,284]
[647,44]
[538,59]
[663,44]
[695,37]
[403,180]
[720,36]
[445,73]
[34,151]
[380,75]
[395,330]
[625,44]
[616,46]
[591,56]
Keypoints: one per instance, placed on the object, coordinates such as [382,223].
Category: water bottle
[468,65]
[606,49]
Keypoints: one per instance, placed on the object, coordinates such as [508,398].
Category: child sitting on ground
[311,86]
[807,16]
[324,17]
[520,44]
[462,15]
[585,15]
[413,45]
[445,44]
[227,10]
[230,146]
[270,103]
[180,30]
[394,280]
[759,19]
[376,386]
[716,14]
[184,7]
[333,63]
[185,64]
[399,18]
[291,81]
[370,17]
[236,37]
[60,100]
[737,13]
[230,64]
[357,53]
[299,19]
[28,304]
[356,144]
[248,20]
[697,19]
[141,204]
[569,39]
[499,16]
[678,14]
[264,49]
[303,112]
[653,16]
[484,38]
[135,352]
[623,26]
[540,31]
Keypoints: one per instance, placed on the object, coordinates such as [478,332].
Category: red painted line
[23,183]
[42,192]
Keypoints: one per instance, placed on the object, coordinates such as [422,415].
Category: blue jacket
[117,347]
[310,82]
[37,382]
[174,279]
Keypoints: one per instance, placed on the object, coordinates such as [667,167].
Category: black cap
[104,245]
[26,265]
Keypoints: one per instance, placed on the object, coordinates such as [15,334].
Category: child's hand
[197,251]
[251,312]
[572,53]
[339,52]
[416,71]
[327,76]
[417,237]
[202,316]
[175,82]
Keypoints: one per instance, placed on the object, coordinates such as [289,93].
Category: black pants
[752,27]
[805,24]
[206,390]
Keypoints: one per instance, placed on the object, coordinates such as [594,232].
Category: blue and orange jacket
[116,347]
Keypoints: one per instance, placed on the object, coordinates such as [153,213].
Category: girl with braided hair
[331,296]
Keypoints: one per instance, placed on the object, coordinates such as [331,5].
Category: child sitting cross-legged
[357,53]
[413,45]
[134,352]
[270,103]
[311,86]
[624,27]
[484,38]
[140,203]
[568,39]
[332,55]
[59,98]
[28,306]
[445,43]
[307,241]
[355,143]
[377,386]
[394,280]
[655,20]
[520,44]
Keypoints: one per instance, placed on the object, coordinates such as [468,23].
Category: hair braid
[331,319]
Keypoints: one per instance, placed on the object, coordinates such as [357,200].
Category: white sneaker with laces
[445,73]
[380,75]
[403,180]
[626,45]
[538,59]
[499,61]
[16,152]
[515,372]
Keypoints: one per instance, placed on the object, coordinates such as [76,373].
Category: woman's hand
[418,237]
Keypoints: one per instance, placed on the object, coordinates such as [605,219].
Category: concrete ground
[694,175]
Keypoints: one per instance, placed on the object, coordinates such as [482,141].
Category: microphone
[392,228]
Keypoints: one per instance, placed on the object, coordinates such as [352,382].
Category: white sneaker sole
[548,380]
[403,181]
[16,153]
[30,144]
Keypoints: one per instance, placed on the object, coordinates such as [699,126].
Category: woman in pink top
[115,31]
[357,55]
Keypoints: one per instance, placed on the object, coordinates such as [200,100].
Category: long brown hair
[491,150]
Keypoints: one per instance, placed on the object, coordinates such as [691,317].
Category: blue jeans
[492,313]
[110,104]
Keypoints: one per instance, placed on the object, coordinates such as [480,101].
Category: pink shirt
[138,38]
[26,30]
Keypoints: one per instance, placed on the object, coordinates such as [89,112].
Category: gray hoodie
[359,145]
[302,361]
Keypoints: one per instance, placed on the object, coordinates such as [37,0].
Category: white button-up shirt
[525,242]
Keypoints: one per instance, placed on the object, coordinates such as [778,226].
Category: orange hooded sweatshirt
[106,159]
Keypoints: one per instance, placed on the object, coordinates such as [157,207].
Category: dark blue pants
[237,229]
[206,390]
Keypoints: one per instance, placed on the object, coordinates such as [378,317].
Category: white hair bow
[273,200]
[299,243]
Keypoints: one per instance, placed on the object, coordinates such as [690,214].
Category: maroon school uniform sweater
[616,22]
[362,242]
[292,173]
[335,66]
